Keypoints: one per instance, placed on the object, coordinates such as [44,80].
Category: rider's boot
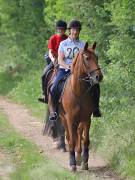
[44,98]
[96,95]
[53,113]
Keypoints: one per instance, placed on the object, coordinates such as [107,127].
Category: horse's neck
[77,86]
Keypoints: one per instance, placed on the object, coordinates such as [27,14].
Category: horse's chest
[86,105]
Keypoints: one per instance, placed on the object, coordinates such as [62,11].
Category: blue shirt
[70,47]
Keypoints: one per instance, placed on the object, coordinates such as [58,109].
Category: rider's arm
[61,61]
[51,47]
[51,55]
[61,56]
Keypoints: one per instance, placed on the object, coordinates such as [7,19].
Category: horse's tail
[46,127]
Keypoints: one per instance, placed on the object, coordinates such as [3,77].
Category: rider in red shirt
[53,46]
[54,42]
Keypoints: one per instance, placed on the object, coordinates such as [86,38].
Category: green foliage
[22,32]
[92,15]
[122,43]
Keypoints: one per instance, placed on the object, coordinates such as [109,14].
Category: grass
[113,135]
[29,162]
[120,138]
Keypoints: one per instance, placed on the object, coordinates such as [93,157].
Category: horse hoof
[85,166]
[73,168]
[78,162]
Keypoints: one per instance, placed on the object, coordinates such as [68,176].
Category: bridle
[88,76]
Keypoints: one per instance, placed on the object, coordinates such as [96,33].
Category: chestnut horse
[77,104]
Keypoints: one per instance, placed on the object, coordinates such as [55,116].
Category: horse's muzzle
[96,78]
[92,79]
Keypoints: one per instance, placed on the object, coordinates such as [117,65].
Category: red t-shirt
[54,43]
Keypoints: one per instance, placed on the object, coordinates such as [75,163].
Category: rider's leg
[44,82]
[53,94]
[96,95]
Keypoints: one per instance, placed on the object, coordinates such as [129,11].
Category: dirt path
[30,127]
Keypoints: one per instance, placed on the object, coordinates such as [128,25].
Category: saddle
[60,86]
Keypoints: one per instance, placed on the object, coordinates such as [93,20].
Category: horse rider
[53,46]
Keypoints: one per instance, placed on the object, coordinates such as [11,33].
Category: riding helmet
[75,24]
[61,24]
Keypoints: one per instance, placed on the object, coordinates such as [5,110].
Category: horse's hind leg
[61,134]
[85,154]
[52,125]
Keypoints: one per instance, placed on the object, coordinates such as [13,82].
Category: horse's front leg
[72,129]
[79,144]
[86,142]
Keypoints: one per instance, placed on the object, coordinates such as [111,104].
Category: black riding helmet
[75,24]
[61,24]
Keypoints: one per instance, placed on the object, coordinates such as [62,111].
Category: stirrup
[53,116]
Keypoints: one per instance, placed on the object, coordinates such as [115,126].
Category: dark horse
[77,104]
[54,129]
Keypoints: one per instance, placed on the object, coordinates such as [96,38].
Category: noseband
[88,76]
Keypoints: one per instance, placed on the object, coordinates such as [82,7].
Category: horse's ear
[94,46]
[86,46]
